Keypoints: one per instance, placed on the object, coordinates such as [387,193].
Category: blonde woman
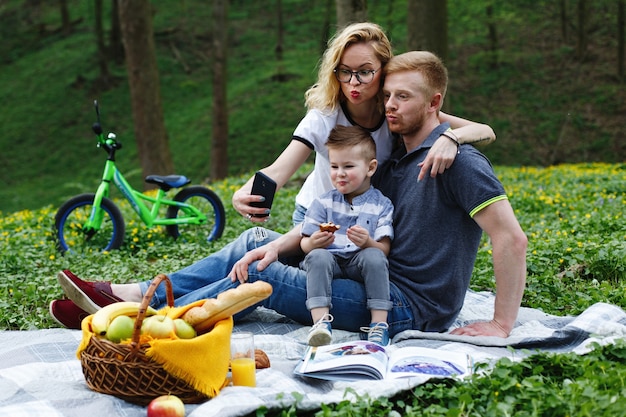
[348,92]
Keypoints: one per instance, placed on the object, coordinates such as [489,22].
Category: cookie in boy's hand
[329,227]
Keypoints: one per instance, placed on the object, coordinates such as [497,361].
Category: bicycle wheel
[208,203]
[71,217]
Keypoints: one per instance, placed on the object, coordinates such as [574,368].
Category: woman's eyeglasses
[362,76]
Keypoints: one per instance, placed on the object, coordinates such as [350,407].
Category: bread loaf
[228,303]
[261,361]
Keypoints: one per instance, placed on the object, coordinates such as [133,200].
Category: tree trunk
[493,37]
[145,91]
[116,47]
[620,40]
[564,29]
[219,144]
[66,24]
[427,23]
[326,26]
[351,11]
[103,65]
[581,43]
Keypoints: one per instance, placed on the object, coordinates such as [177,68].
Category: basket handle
[145,302]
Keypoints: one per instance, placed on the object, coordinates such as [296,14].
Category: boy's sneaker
[377,333]
[321,332]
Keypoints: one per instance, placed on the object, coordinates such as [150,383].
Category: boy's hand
[321,239]
[358,235]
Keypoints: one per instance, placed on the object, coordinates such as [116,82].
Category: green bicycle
[93,223]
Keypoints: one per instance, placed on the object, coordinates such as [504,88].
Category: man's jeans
[208,277]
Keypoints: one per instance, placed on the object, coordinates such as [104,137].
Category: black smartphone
[265,186]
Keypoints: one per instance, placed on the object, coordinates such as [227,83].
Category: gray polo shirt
[436,240]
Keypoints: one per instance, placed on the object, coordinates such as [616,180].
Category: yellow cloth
[202,362]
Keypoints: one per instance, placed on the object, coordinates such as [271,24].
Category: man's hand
[486,328]
[264,254]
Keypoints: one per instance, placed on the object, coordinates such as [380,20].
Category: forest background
[546,75]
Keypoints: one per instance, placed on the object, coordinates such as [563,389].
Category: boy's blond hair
[343,137]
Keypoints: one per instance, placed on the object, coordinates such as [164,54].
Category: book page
[412,361]
[347,361]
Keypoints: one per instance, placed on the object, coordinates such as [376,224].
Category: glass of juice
[242,364]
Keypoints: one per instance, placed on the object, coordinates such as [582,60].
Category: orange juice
[243,372]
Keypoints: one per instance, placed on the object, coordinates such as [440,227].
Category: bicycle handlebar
[110,144]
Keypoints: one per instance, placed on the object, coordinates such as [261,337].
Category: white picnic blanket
[40,375]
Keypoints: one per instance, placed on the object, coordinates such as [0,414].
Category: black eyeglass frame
[355,74]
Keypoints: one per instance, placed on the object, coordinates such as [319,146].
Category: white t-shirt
[313,131]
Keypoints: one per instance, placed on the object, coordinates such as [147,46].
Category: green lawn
[573,216]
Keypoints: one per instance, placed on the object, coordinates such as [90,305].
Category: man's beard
[415,125]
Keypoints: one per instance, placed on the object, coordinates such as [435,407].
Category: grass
[572,214]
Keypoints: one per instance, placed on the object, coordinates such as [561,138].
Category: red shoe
[67,314]
[89,296]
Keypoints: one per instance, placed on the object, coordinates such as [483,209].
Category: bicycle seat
[167,182]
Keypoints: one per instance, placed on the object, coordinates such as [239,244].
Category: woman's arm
[441,155]
[467,131]
[287,163]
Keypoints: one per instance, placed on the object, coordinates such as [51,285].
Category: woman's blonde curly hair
[326,93]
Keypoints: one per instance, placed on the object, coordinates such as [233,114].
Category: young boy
[358,249]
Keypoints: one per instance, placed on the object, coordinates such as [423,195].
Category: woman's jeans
[209,277]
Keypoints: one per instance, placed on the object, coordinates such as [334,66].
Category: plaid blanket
[40,375]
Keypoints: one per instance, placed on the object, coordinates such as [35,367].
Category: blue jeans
[208,277]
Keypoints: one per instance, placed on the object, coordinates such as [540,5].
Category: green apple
[184,330]
[121,328]
[158,326]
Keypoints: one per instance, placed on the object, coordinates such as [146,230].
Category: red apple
[158,326]
[166,406]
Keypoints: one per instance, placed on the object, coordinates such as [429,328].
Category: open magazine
[359,360]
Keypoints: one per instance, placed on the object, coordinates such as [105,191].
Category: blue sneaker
[377,333]
[321,332]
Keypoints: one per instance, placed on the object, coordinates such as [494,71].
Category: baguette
[228,303]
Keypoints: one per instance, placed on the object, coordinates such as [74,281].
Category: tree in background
[145,91]
[427,22]
[351,11]
[427,29]
[620,40]
[66,23]
[116,47]
[103,59]
[219,143]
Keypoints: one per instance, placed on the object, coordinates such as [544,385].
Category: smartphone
[265,186]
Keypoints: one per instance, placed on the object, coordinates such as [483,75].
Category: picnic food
[329,227]
[159,327]
[166,406]
[183,329]
[261,360]
[102,318]
[231,301]
[120,328]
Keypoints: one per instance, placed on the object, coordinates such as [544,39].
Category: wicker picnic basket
[124,370]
